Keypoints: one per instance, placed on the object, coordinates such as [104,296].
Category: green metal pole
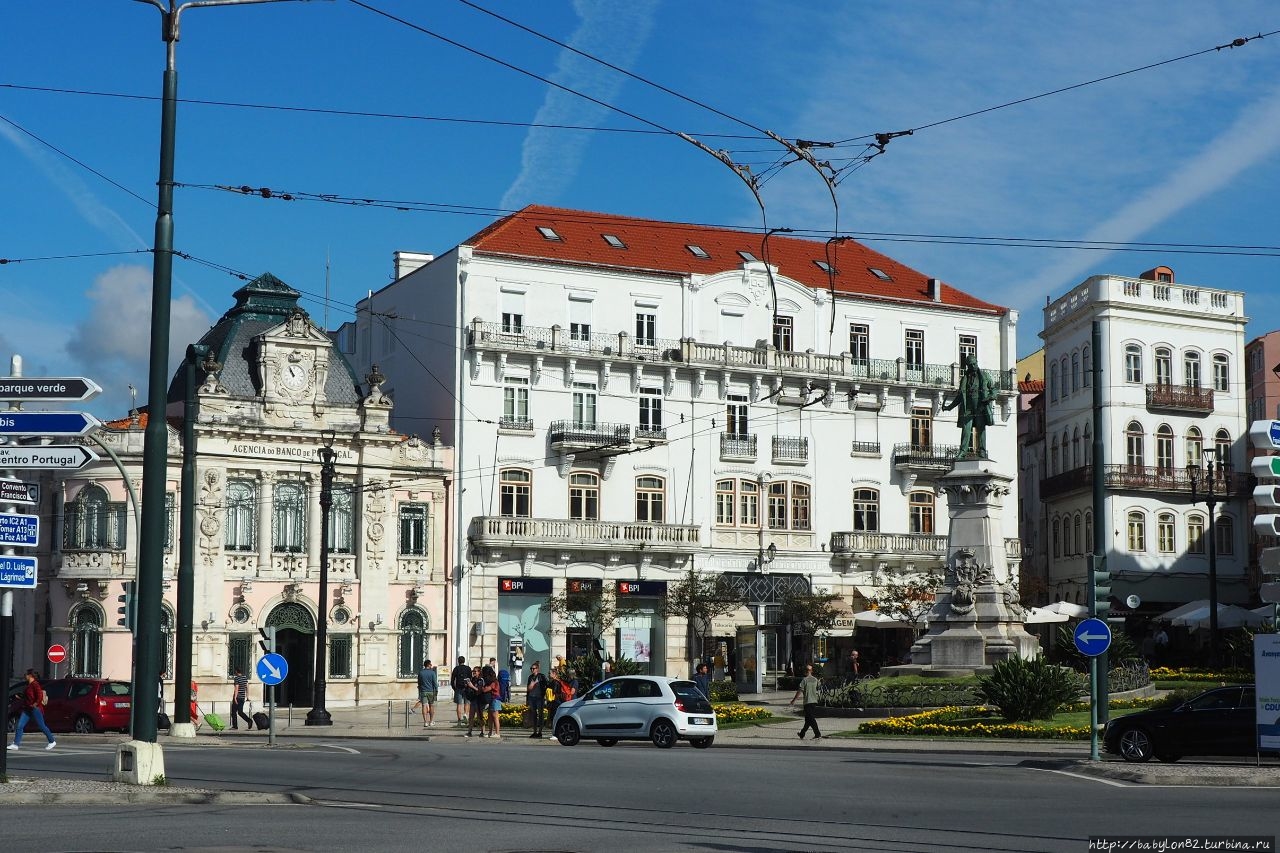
[187,540]
[155,463]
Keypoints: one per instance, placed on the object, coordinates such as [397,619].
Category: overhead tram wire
[80,163]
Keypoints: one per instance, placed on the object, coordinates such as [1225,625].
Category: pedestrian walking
[458,678]
[809,689]
[702,678]
[240,695]
[428,689]
[536,697]
[34,700]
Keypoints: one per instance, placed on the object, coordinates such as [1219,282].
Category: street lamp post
[146,671]
[1215,473]
[318,716]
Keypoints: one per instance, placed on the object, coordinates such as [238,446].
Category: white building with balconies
[1172,371]
[629,397]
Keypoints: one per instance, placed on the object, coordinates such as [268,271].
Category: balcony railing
[733,446]
[933,457]
[492,336]
[1186,398]
[497,531]
[651,434]
[1066,482]
[867,447]
[514,424]
[599,436]
[790,449]
[1144,478]
[905,544]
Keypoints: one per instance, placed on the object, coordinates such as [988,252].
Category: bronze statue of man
[975,400]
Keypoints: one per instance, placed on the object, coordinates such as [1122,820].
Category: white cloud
[550,158]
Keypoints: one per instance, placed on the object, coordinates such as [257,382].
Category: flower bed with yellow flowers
[967,722]
[1230,676]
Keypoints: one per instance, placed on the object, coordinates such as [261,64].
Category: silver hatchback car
[638,707]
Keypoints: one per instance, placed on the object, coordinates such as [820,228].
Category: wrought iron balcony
[790,449]
[925,458]
[1140,478]
[735,446]
[867,447]
[503,532]
[1180,398]
[651,434]
[600,438]
[1066,482]
[513,424]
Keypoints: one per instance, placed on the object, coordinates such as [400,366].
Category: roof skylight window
[747,256]
[824,266]
[880,274]
[614,241]
[697,251]
[549,234]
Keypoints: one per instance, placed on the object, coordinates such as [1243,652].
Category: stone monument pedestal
[976,620]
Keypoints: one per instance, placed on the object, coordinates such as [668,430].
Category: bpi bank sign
[1266,668]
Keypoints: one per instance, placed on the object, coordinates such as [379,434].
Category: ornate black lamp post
[318,716]
[1214,479]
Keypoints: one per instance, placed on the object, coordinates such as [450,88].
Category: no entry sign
[57,653]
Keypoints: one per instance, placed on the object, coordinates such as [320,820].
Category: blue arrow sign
[1093,637]
[272,669]
[19,530]
[47,423]
[19,572]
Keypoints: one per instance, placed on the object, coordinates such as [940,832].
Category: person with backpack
[34,700]
[458,678]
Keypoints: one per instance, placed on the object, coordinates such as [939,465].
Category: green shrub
[1028,689]
[1174,698]
[724,691]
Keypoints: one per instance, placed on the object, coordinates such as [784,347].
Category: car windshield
[607,690]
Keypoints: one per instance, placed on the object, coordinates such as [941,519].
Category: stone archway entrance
[296,642]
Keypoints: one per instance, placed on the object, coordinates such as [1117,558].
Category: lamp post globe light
[318,715]
[1213,478]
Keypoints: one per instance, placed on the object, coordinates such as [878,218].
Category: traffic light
[268,641]
[128,609]
[1099,588]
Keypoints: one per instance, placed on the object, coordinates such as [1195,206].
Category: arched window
[1195,533]
[1134,453]
[1088,532]
[584,496]
[166,635]
[515,492]
[650,492]
[1191,368]
[1053,457]
[1088,445]
[1164,533]
[86,641]
[1053,382]
[1057,541]
[1221,372]
[93,522]
[1075,372]
[1164,366]
[342,520]
[1164,449]
[413,641]
[1075,447]
[921,512]
[866,510]
[242,515]
[1137,531]
[1133,363]
[288,512]
[1195,445]
[1087,376]
[1224,536]
[1076,535]
[1222,445]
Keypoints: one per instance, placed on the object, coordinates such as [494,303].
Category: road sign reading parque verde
[64,457]
[272,669]
[1092,637]
[17,572]
[21,530]
[49,388]
[47,423]
[18,492]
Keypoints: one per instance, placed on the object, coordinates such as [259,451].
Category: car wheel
[83,725]
[701,742]
[1135,745]
[607,741]
[567,733]
[663,734]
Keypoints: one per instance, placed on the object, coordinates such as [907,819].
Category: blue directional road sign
[272,669]
[18,572]
[47,423]
[19,530]
[1093,637]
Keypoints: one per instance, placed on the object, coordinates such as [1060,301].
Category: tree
[805,614]
[594,612]
[907,599]
[698,598]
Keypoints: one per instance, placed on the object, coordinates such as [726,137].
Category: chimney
[407,262]
[935,290]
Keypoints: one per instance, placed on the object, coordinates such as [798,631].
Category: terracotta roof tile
[658,246]
[1031,386]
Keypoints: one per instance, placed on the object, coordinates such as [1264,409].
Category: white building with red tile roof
[630,397]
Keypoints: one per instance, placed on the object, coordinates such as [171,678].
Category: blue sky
[1188,152]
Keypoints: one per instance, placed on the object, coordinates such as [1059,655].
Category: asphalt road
[372,795]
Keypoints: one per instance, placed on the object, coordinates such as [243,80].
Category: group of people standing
[545,692]
[477,697]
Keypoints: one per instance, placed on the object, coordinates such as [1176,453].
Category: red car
[81,705]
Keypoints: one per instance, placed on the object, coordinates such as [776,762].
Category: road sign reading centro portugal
[69,457]
[18,572]
[49,388]
[1093,637]
[272,669]
[57,653]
